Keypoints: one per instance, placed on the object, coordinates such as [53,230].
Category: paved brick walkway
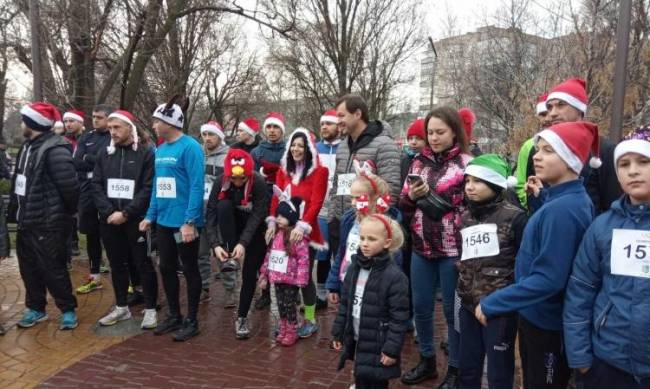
[43,355]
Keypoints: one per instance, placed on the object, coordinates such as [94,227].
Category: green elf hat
[493,169]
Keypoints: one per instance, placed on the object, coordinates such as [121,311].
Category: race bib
[207,188]
[166,188]
[480,241]
[630,255]
[21,185]
[120,189]
[350,250]
[278,261]
[344,183]
[362,280]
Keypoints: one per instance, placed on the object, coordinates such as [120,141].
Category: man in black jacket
[88,147]
[44,195]
[121,183]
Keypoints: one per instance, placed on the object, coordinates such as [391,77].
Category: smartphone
[414,179]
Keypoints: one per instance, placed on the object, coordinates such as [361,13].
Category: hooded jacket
[297,262]
[375,144]
[384,314]
[311,189]
[607,315]
[213,167]
[124,164]
[52,188]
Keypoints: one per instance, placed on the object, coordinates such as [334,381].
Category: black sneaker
[171,323]
[135,298]
[424,370]
[451,379]
[2,330]
[75,250]
[263,302]
[190,329]
[321,304]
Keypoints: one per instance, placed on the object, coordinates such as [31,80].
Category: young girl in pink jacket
[286,266]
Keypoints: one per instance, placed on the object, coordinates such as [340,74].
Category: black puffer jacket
[52,188]
[90,144]
[384,316]
[127,164]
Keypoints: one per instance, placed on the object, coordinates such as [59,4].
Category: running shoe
[171,323]
[31,317]
[117,314]
[90,286]
[150,320]
[307,329]
[68,321]
[242,331]
[189,330]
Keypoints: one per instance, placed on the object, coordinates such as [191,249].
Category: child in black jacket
[373,313]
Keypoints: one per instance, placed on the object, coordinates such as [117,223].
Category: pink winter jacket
[297,265]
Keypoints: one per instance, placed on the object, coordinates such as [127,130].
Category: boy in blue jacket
[550,242]
[607,302]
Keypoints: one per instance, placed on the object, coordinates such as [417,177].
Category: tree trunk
[83,63]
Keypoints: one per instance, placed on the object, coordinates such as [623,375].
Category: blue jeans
[426,274]
[497,341]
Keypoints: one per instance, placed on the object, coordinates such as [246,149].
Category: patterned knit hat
[491,168]
[172,113]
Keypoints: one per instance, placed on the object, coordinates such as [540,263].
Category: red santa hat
[540,108]
[40,116]
[274,118]
[213,127]
[468,119]
[128,118]
[74,114]
[572,91]
[250,126]
[330,117]
[238,163]
[573,141]
[416,129]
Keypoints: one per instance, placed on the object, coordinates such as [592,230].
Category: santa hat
[129,119]
[74,114]
[572,91]
[468,119]
[274,118]
[311,146]
[416,129]
[540,108]
[292,210]
[213,127]
[330,117]
[238,163]
[250,126]
[637,142]
[58,124]
[573,141]
[39,116]
[171,114]
[491,168]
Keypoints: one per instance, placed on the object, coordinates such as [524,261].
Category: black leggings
[322,270]
[287,297]
[94,249]
[309,291]
[228,217]
[170,251]
[126,248]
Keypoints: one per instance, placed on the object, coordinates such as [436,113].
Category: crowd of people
[555,257]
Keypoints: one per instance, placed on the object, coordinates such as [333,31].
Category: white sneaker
[150,320]
[117,314]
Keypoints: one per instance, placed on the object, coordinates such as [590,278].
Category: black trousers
[126,248]
[543,359]
[602,375]
[497,341]
[309,291]
[362,383]
[42,258]
[323,270]
[287,297]
[229,217]
[169,252]
[89,225]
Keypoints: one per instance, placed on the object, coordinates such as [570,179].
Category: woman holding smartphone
[432,196]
